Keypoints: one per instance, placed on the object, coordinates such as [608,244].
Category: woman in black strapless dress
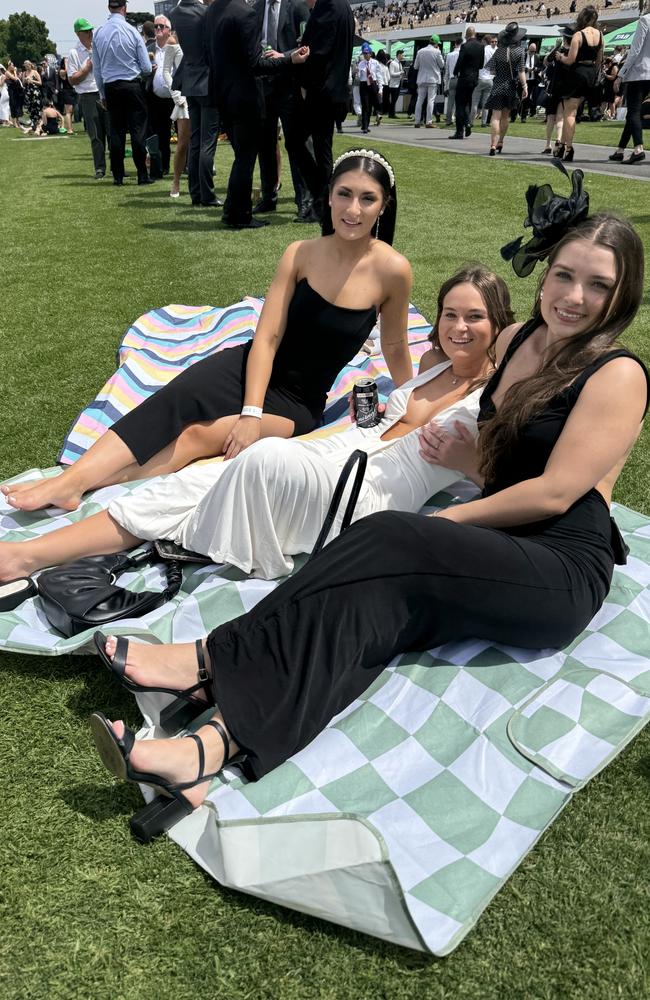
[324,300]
[528,564]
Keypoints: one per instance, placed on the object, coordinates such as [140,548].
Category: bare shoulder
[393,269]
[427,361]
[504,339]
[622,380]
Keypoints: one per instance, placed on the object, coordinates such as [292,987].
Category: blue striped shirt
[119,53]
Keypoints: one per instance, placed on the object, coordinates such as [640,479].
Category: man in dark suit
[235,58]
[282,22]
[191,79]
[470,61]
[532,69]
[329,35]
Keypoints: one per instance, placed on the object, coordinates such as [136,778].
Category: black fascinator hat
[550,215]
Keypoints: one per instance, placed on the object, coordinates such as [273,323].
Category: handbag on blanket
[84,594]
[360,459]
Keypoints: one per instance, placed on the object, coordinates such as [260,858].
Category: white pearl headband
[370,154]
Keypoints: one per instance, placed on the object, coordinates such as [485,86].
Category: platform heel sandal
[186,706]
[568,156]
[558,151]
[170,804]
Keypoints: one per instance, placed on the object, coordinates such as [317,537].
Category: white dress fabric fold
[268,504]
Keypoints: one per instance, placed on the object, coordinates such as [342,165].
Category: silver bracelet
[252,411]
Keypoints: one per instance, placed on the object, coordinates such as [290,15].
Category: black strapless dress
[320,338]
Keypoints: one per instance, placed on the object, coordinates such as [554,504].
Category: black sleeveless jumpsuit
[396,582]
[319,339]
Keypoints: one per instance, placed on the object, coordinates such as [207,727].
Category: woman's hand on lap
[245,433]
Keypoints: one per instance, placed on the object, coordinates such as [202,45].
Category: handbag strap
[360,459]
[172,567]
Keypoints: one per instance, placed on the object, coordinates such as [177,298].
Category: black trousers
[128,111]
[464,91]
[393,94]
[97,124]
[635,93]
[284,104]
[529,106]
[244,133]
[392,583]
[369,103]
[320,116]
[204,131]
[159,111]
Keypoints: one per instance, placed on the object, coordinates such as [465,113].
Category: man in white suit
[429,64]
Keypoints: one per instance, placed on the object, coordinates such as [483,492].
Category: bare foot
[53,492]
[172,666]
[15,561]
[177,760]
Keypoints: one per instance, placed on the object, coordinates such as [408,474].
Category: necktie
[272,24]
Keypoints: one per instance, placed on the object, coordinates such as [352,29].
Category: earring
[541,294]
[377,227]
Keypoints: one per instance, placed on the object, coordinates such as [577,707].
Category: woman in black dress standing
[68,97]
[33,95]
[527,564]
[324,300]
[507,64]
[583,62]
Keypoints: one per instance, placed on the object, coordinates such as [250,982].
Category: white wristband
[252,411]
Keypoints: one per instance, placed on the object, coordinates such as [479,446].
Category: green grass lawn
[87,912]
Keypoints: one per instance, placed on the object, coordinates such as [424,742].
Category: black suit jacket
[292,14]
[470,60]
[329,35]
[233,48]
[191,77]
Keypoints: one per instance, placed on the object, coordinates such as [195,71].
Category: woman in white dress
[268,503]
[180,114]
[5,112]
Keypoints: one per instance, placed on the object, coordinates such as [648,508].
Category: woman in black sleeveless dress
[527,564]
[325,299]
[582,63]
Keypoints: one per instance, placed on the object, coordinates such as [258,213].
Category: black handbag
[360,459]
[84,594]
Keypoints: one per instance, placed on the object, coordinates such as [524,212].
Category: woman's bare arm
[598,434]
[394,320]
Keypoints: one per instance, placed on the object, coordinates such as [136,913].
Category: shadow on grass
[102,802]
[642,767]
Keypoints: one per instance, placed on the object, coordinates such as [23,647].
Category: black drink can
[366,402]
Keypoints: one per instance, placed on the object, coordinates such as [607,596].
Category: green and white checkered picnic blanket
[407,814]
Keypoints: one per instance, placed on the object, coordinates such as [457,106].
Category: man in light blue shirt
[120,59]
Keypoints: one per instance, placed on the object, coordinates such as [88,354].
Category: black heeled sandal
[186,706]
[171,804]
[558,152]
[568,156]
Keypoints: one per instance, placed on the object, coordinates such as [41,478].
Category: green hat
[81,24]
[436,39]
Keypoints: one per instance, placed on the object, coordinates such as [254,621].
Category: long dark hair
[573,355]
[385,229]
[587,18]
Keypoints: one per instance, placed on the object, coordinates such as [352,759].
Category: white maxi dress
[268,504]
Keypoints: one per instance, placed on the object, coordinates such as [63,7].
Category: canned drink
[366,402]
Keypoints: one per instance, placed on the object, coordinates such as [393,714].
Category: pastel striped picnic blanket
[413,807]
[163,342]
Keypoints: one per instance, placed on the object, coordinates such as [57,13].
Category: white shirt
[374,68]
[76,61]
[450,65]
[160,88]
[485,74]
[396,72]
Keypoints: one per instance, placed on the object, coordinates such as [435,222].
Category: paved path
[589,158]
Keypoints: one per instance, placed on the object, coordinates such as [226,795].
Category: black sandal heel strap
[224,737]
[203,675]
